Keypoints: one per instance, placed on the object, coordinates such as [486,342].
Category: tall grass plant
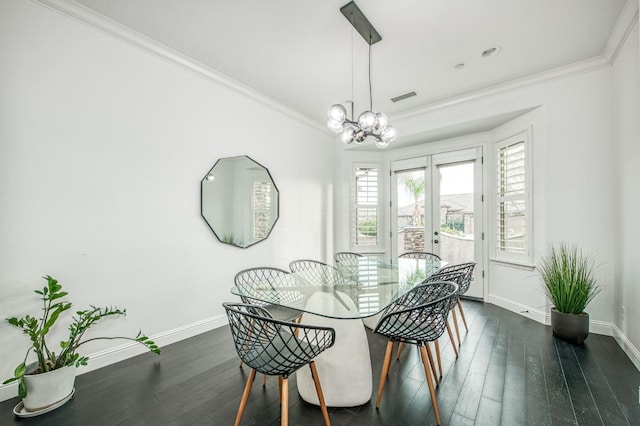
[569,278]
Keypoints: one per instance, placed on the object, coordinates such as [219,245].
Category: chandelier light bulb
[389,134]
[335,126]
[381,121]
[347,135]
[359,137]
[367,120]
[337,113]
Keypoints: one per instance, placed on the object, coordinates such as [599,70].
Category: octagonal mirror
[239,201]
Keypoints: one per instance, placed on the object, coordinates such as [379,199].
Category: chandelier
[369,123]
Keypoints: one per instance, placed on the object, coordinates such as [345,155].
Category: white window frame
[516,257]
[365,248]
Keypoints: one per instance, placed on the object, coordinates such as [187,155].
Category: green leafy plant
[414,277]
[451,231]
[415,186]
[569,278]
[38,328]
[368,227]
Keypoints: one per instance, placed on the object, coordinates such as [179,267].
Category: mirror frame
[275,188]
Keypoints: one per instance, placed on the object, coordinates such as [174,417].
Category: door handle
[435,241]
[435,233]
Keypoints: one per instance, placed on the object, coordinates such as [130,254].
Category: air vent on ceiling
[403,97]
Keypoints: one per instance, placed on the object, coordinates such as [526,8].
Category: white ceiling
[301,53]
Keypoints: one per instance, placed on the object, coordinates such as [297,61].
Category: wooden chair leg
[385,371]
[316,381]
[453,342]
[437,343]
[264,380]
[284,397]
[280,388]
[245,396]
[455,324]
[464,320]
[433,367]
[297,319]
[400,345]
[432,390]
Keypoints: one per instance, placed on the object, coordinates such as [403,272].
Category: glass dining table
[346,297]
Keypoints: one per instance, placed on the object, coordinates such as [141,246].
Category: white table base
[345,368]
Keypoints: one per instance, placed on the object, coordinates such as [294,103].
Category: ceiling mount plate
[354,15]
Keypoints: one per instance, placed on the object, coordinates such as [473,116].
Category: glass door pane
[410,214]
[457,212]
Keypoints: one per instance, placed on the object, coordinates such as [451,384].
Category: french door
[437,207]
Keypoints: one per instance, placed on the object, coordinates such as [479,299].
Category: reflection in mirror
[239,201]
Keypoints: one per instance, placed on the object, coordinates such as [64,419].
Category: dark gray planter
[573,328]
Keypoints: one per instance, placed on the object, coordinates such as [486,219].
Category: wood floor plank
[560,406]
[494,382]
[620,375]
[489,412]
[605,400]
[513,401]
[581,399]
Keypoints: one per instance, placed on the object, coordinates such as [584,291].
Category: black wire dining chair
[316,272]
[265,283]
[466,269]
[347,262]
[421,255]
[455,277]
[346,257]
[418,317]
[276,348]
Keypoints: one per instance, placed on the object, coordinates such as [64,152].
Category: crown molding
[624,25]
[121,32]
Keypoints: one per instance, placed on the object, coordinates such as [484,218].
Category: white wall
[102,149]
[626,109]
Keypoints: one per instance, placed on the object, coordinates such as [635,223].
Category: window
[513,237]
[365,224]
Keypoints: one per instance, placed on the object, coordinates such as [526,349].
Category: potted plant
[569,280]
[48,381]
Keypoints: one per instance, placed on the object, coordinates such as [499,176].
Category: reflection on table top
[352,290]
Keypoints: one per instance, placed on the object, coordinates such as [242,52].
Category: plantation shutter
[364,225]
[262,208]
[512,233]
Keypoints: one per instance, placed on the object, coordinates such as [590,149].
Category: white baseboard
[601,327]
[623,341]
[131,349]
[595,327]
[527,311]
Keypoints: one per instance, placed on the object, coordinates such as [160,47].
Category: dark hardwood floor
[511,371]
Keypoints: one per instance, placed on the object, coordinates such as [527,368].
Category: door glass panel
[410,224]
[456,212]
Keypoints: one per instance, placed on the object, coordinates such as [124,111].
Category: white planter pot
[47,389]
